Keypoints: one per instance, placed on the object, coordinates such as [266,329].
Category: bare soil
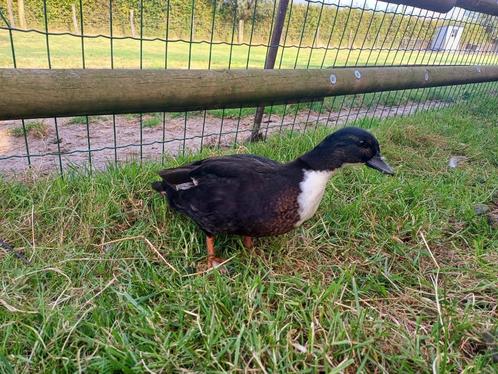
[70,148]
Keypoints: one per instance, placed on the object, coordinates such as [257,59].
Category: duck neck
[321,158]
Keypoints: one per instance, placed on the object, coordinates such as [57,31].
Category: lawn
[65,52]
[393,274]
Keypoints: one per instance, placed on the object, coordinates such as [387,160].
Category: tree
[132,23]
[10,13]
[488,25]
[75,19]
[491,27]
[244,12]
[21,13]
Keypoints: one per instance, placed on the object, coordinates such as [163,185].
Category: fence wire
[225,34]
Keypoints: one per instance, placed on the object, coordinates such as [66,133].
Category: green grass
[356,288]
[37,129]
[79,120]
[82,120]
[65,52]
[153,121]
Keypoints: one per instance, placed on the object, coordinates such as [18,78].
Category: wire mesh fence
[225,34]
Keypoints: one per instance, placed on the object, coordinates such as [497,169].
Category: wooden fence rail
[38,93]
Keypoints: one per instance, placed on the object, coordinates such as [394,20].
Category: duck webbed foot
[248,242]
[213,261]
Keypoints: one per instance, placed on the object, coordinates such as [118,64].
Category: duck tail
[167,191]
[158,186]
[163,187]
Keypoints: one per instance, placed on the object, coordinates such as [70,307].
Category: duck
[253,196]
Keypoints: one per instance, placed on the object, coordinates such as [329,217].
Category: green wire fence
[226,34]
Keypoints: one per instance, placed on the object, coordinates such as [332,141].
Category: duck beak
[377,162]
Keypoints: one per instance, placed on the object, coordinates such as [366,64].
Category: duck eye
[362,143]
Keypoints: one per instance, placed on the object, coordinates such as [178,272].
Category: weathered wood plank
[37,93]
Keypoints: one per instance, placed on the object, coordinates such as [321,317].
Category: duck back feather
[238,194]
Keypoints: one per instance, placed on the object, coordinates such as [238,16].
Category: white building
[447,38]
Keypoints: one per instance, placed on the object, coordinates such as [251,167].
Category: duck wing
[225,194]
[182,178]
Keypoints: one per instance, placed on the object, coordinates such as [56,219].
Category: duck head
[349,145]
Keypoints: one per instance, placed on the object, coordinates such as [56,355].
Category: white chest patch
[312,188]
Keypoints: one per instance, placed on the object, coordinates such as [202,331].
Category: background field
[394,274]
[65,52]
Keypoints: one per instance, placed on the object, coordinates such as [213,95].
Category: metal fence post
[270,62]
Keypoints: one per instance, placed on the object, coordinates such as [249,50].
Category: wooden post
[132,23]
[240,38]
[270,62]
[37,93]
[21,14]
[10,14]
[75,20]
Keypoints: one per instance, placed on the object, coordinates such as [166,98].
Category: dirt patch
[121,139]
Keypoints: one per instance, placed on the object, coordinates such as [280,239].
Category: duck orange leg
[248,243]
[213,261]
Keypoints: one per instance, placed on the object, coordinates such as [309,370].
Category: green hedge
[96,20]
